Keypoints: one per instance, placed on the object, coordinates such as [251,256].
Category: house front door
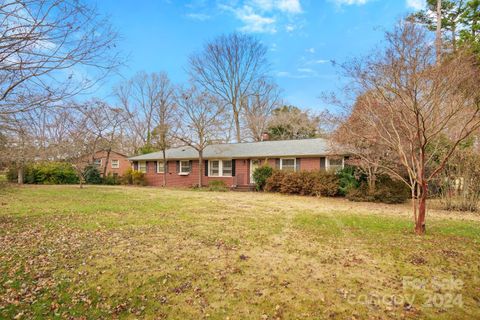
[254,164]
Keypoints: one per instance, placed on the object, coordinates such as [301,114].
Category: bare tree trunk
[422,208]
[165,168]
[372,183]
[237,127]
[200,167]
[236,119]
[438,33]
[106,163]
[20,174]
[454,38]
[414,204]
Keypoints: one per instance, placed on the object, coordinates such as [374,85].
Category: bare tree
[164,118]
[201,118]
[411,101]
[50,50]
[229,67]
[102,122]
[145,99]
[356,136]
[258,108]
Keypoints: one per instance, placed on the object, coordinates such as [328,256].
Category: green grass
[121,252]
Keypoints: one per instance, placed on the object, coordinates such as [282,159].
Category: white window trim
[117,164]
[145,162]
[157,165]
[294,163]
[327,162]
[220,168]
[182,173]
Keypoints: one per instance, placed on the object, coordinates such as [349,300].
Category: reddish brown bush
[311,183]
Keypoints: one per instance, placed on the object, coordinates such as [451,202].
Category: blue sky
[303,36]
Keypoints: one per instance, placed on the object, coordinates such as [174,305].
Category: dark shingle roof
[269,149]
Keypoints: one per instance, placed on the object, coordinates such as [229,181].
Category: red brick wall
[309,164]
[175,180]
[124,163]
[242,173]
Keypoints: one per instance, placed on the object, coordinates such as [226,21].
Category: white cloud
[290,6]
[310,50]
[290,28]
[350,2]
[265,16]
[416,4]
[198,16]
[254,22]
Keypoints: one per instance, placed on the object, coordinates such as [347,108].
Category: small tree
[201,119]
[410,100]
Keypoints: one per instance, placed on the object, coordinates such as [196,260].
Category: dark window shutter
[233,167]
[206,168]
[297,164]
[322,163]
[135,166]
[190,166]
[146,166]
[277,163]
[178,166]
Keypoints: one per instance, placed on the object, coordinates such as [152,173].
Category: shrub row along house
[235,163]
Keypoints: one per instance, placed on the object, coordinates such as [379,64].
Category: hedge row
[346,182]
[65,173]
[308,183]
[46,173]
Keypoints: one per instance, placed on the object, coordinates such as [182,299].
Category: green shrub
[260,176]
[91,174]
[12,174]
[133,177]
[46,173]
[217,185]
[111,179]
[310,183]
[387,190]
[347,180]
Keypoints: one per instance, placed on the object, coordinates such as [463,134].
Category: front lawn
[124,252]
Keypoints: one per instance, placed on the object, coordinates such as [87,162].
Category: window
[185,167]
[227,168]
[115,164]
[97,162]
[214,168]
[160,167]
[142,166]
[288,164]
[220,168]
[335,164]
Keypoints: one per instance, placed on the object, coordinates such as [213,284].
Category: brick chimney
[265,136]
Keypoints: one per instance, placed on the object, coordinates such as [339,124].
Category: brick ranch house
[234,163]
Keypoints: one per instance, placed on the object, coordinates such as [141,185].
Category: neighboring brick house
[234,163]
[116,164]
